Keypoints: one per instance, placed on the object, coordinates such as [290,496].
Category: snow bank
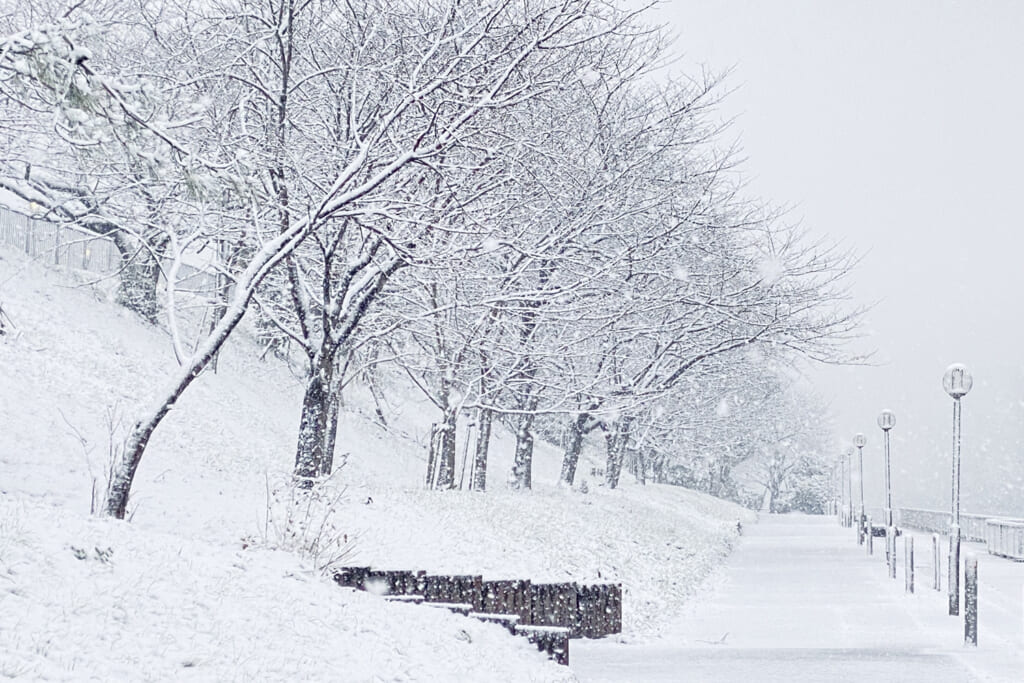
[190,589]
[96,599]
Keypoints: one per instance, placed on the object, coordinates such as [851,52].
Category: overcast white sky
[897,128]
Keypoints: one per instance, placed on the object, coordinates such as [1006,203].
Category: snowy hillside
[195,587]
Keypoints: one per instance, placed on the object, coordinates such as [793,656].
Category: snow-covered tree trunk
[484,420]
[443,449]
[616,441]
[123,473]
[311,449]
[137,291]
[638,464]
[573,448]
[522,466]
[433,450]
[333,413]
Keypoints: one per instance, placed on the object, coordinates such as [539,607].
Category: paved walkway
[799,600]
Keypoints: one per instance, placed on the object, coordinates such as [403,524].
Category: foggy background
[896,129]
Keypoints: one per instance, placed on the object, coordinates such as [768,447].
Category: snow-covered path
[800,601]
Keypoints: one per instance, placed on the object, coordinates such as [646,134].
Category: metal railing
[1005,537]
[69,246]
[972,527]
[57,244]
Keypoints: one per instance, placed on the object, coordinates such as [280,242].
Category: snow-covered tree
[337,111]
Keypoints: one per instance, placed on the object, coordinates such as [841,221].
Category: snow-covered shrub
[305,521]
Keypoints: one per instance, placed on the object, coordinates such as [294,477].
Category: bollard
[890,549]
[971,600]
[908,562]
[936,562]
[954,571]
[888,555]
[871,538]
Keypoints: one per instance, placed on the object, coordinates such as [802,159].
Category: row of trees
[495,197]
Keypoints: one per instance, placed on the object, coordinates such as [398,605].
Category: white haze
[894,128]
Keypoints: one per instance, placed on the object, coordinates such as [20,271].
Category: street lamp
[957,382]
[849,487]
[887,420]
[845,488]
[841,507]
[859,441]
[837,489]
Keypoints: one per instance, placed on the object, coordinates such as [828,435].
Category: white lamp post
[887,420]
[849,487]
[842,489]
[859,441]
[957,381]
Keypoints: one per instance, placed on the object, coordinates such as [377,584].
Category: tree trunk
[140,276]
[573,448]
[483,442]
[222,294]
[774,492]
[658,475]
[610,446]
[639,465]
[378,410]
[443,446]
[135,444]
[433,451]
[616,442]
[465,457]
[268,335]
[311,448]
[119,487]
[522,469]
[330,437]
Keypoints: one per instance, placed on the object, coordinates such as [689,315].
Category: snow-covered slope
[194,588]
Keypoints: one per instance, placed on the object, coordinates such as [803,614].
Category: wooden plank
[553,640]
[351,577]
[509,621]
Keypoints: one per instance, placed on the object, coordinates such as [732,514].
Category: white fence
[1005,537]
[972,527]
[58,244]
[1001,536]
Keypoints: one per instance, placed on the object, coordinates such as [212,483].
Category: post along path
[799,600]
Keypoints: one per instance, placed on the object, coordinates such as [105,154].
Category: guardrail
[1002,536]
[972,527]
[1005,537]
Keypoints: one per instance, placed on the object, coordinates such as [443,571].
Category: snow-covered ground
[200,585]
[801,601]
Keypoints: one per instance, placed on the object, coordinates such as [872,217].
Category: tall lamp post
[839,488]
[859,441]
[849,487]
[842,490]
[887,420]
[957,382]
